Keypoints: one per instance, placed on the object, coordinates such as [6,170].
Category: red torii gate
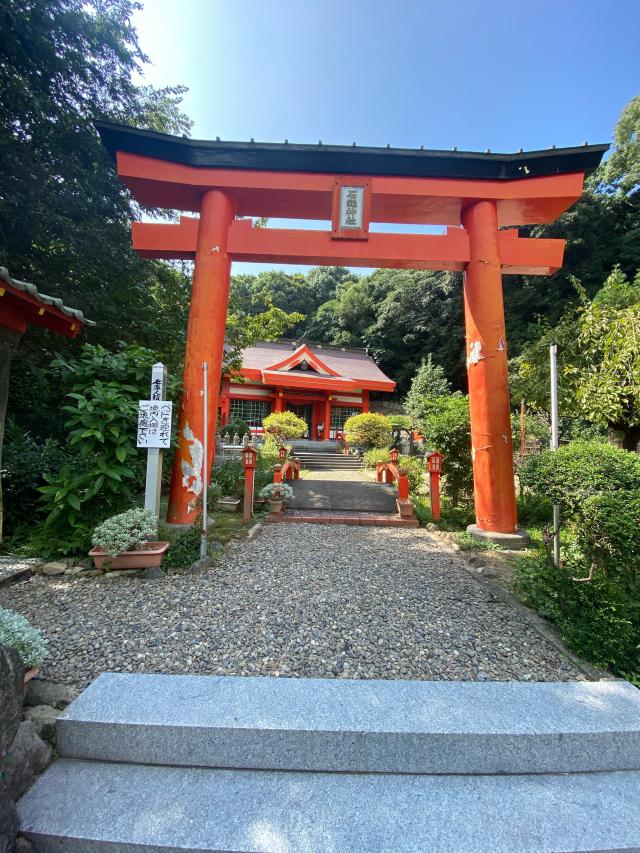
[473,194]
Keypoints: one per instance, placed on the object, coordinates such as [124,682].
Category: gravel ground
[297,599]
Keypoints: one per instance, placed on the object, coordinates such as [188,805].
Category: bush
[283,425]
[447,428]
[368,429]
[608,534]
[276,492]
[228,478]
[378,454]
[104,463]
[415,470]
[576,472]
[184,549]
[24,464]
[536,428]
[596,619]
[128,531]
[534,510]
[18,633]
[267,458]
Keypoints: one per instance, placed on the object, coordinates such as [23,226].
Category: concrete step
[424,727]
[92,807]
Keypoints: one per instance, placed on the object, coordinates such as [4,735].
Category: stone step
[93,807]
[425,727]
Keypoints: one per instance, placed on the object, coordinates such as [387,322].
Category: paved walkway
[297,599]
[333,495]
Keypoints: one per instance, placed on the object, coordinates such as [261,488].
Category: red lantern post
[393,455]
[282,454]
[434,461]
[249,455]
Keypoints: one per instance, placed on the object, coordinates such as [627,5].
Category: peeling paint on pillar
[192,468]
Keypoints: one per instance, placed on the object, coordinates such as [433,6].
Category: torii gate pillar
[492,453]
[205,342]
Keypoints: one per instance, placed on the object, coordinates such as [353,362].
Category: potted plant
[18,633]
[128,541]
[277,494]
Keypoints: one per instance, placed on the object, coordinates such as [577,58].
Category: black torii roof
[349,159]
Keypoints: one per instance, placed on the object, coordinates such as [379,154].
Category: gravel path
[298,599]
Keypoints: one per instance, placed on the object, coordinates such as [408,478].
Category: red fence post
[434,461]
[403,484]
[434,489]
[249,456]
[277,473]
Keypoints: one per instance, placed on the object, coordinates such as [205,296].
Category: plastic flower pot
[148,556]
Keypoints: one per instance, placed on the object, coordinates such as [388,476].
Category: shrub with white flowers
[18,633]
[128,531]
[277,492]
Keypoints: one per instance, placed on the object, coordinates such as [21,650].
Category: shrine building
[323,385]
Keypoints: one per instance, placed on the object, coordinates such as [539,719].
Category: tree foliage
[598,359]
[446,426]
[368,429]
[429,381]
[284,425]
[579,470]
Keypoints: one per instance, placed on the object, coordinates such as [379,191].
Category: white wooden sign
[351,207]
[154,423]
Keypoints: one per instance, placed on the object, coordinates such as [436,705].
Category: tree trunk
[9,340]
[624,437]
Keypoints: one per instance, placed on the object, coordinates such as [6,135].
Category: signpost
[154,433]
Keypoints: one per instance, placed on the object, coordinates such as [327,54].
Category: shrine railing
[389,472]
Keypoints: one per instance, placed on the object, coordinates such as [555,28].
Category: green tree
[598,360]
[446,427]
[622,170]
[429,381]
[64,215]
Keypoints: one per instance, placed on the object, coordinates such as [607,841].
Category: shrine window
[250,411]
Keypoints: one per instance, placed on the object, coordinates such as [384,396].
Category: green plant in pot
[19,634]
[277,494]
[128,541]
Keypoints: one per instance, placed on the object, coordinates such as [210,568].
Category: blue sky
[498,74]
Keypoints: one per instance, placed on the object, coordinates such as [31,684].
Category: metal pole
[205,456]
[553,354]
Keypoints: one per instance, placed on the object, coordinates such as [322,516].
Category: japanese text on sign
[154,423]
[351,207]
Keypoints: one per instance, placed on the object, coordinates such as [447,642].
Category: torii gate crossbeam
[474,194]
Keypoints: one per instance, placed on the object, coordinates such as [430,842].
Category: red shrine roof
[22,304]
[313,366]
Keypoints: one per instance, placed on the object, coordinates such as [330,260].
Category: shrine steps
[196,763]
[328,461]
